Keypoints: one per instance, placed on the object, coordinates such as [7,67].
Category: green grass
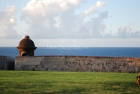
[34,82]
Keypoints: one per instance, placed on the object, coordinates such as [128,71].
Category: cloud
[57,19]
[7,22]
[136,34]
[94,8]
[53,19]
[126,32]
[93,28]
[100,3]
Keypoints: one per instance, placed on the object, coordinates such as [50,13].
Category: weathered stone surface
[26,47]
[7,63]
[78,63]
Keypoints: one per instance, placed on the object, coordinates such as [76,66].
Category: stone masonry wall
[78,63]
[6,63]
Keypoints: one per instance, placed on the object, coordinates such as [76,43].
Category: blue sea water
[88,51]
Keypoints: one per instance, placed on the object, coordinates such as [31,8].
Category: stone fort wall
[6,63]
[78,63]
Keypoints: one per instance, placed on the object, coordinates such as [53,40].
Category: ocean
[78,51]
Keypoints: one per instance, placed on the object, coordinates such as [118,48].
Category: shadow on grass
[100,88]
[122,87]
[76,90]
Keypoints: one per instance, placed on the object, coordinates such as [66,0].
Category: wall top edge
[81,57]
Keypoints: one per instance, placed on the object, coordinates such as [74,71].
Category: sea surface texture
[78,51]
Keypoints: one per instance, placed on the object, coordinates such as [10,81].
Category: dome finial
[26,37]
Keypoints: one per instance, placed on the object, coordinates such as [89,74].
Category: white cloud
[93,28]
[100,3]
[126,32]
[12,20]
[94,7]
[10,10]
[7,22]
[41,16]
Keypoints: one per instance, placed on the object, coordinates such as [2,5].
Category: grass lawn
[32,82]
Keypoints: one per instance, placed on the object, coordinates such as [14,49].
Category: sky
[70,23]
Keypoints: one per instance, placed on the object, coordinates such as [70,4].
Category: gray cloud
[136,34]
[7,22]
[126,32]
